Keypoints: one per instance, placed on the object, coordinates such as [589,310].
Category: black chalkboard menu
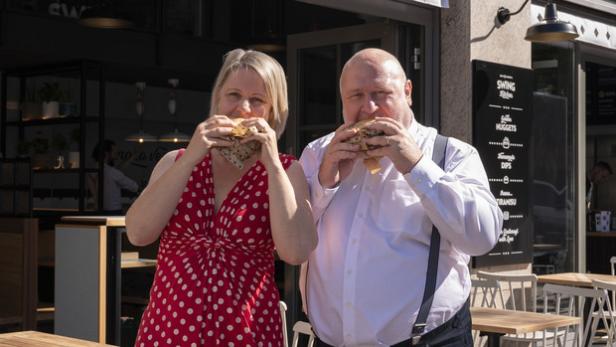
[502,115]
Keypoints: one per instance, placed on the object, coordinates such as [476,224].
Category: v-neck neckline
[235,186]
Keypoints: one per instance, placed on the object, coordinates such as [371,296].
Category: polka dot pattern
[214,283]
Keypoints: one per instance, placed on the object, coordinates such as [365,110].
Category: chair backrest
[570,301]
[606,307]
[516,287]
[302,328]
[613,265]
[283,317]
[486,292]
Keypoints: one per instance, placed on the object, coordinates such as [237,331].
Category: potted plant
[50,95]
[31,108]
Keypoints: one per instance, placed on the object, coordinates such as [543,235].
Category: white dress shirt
[115,181]
[364,282]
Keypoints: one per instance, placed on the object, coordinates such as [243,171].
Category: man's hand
[396,144]
[339,157]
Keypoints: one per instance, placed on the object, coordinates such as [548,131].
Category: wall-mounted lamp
[550,29]
[104,15]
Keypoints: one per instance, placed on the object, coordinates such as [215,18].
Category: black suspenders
[438,156]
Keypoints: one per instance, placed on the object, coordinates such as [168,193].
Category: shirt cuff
[321,196]
[424,176]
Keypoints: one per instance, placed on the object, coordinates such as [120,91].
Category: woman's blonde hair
[270,72]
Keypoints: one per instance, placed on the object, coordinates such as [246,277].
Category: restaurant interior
[67,85]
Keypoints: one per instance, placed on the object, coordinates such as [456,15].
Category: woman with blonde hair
[221,207]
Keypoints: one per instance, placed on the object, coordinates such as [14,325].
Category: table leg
[493,339]
[114,289]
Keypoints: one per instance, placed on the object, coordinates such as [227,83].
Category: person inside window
[114,179]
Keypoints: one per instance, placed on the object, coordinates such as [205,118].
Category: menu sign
[502,115]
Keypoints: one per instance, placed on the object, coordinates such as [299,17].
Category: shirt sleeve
[458,200]
[124,181]
[320,196]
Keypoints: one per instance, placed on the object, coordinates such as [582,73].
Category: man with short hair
[365,282]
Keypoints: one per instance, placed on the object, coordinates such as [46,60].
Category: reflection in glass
[319,100]
[319,88]
[552,157]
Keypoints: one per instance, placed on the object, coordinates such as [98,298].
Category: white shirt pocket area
[394,206]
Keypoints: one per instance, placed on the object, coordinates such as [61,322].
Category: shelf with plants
[54,115]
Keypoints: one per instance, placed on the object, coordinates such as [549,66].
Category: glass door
[598,102]
[315,60]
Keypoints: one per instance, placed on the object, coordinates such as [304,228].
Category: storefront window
[552,160]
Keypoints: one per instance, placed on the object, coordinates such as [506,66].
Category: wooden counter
[602,234]
[88,277]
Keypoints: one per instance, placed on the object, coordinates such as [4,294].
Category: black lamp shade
[551,29]
[104,16]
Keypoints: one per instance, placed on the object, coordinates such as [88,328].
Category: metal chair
[570,301]
[605,310]
[517,286]
[486,292]
[283,316]
[302,328]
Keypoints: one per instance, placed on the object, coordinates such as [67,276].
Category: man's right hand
[339,157]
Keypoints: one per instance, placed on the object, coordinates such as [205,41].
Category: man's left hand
[396,144]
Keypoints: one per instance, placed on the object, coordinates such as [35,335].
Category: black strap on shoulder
[438,156]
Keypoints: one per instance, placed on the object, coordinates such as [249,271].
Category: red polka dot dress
[214,283]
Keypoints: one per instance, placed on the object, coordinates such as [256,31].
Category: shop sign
[502,115]
[61,8]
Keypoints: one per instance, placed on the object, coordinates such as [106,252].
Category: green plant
[50,92]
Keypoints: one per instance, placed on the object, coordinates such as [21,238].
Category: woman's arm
[148,215]
[292,224]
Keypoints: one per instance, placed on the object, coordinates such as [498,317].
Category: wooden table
[575,279]
[36,339]
[496,322]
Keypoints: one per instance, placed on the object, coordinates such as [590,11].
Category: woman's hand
[208,134]
[267,137]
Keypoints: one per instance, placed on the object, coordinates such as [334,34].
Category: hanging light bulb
[140,136]
[175,136]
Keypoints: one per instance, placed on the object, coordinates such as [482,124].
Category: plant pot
[51,109]
[31,110]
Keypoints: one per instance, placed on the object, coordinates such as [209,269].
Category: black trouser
[456,332]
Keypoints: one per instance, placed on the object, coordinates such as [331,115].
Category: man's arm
[458,200]
[319,195]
